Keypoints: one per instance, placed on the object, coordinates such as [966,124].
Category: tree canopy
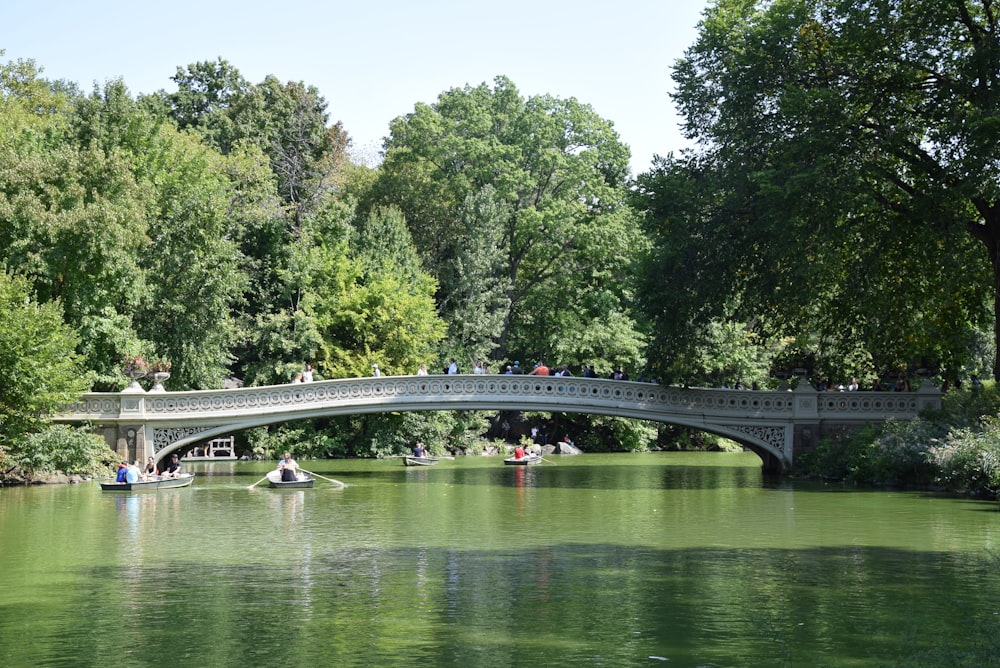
[845,187]
[519,209]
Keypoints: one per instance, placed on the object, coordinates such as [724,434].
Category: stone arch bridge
[776,425]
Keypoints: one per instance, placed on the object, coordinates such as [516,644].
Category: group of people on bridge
[482,367]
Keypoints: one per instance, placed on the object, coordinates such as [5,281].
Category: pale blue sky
[374,61]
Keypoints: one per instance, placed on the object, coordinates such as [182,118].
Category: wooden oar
[335,482]
[257,483]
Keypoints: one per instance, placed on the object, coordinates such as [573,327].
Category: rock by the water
[564,448]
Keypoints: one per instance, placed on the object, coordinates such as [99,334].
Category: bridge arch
[774,424]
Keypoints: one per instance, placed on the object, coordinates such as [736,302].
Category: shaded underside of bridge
[774,424]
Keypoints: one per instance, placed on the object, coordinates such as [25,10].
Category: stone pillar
[805,419]
[130,444]
[928,396]
[134,440]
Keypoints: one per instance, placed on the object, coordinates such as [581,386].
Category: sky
[374,61]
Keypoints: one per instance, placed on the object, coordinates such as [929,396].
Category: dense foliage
[519,209]
[40,371]
[957,449]
[841,214]
[844,194]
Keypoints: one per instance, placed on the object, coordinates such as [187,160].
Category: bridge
[776,425]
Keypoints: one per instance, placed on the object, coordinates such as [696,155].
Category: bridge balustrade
[772,423]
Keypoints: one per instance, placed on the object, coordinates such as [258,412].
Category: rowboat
[160,482]
[410,460]
[302,481]
[527,460]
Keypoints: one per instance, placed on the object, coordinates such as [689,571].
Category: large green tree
[845,181]
[518,207]
[106,207]
[40,370]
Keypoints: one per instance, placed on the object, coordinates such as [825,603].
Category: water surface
[596,560]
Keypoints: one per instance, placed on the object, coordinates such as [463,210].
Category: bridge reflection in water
[774,424]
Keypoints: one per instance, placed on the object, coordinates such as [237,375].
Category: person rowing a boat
[289,468]
[519,452]
[419,450]
[173,468]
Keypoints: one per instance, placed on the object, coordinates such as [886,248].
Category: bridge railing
[489,392]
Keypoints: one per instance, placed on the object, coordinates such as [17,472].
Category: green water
[597,560]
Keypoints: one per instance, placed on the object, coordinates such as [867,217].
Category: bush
[61,448]
[968,460]
[957,447]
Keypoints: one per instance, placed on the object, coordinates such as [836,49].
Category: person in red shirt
[539,370]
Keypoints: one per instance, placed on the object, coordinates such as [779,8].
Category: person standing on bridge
[307,373]
[539,370]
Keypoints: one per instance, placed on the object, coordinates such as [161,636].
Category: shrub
[968,459]
[61,448]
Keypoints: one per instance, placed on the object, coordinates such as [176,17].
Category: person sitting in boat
[173,468]
[122,471]
[133,472]
[419,450]
[150,471]
[288,467]
[519,452]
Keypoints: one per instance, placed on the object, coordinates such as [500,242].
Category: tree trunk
[989,234]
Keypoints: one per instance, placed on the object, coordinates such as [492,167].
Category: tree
[40,370]
[372,303]
[287,121]
[514,205]
[846,173]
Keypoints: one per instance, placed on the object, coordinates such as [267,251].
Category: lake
[675,559]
